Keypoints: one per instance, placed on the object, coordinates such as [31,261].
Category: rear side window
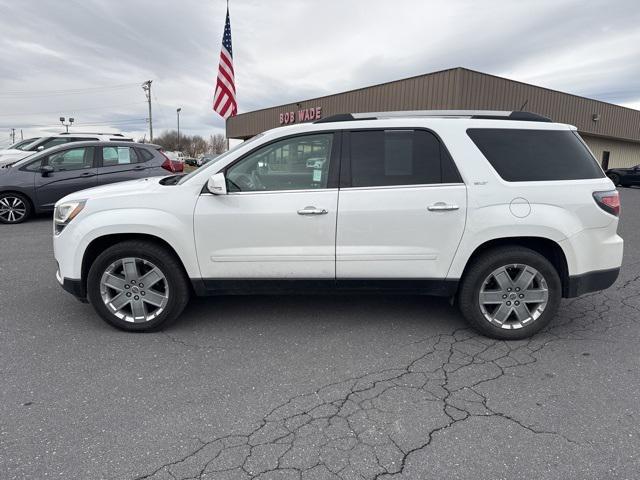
[399,157]
[535,155]
[118,156]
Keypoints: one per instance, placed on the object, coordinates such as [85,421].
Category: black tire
[615,178]
[178,286]
[16,216]
[483,266]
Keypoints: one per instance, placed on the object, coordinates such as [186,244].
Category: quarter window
[520,155]
[398,157]
[296,163]
[74,159]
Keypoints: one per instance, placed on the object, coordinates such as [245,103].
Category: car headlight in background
[65,212]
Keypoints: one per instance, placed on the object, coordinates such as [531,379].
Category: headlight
[65,212]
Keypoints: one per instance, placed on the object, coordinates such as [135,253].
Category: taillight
[171,165]
[608,201]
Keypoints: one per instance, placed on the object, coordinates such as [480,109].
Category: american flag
[224,100]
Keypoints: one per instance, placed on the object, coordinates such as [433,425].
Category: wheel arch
[99,244]
[546,247]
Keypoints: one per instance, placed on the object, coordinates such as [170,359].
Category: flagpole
[225,122]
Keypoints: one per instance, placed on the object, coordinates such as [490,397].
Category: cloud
[287,51]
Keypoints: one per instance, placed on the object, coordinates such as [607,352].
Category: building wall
[480,91]
[435,91]
[621,153]
[617,129]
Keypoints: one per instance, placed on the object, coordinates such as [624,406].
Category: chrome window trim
[388,187]
[267,192]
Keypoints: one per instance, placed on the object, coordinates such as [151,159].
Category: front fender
[176,230]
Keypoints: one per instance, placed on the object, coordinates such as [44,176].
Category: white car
[504,212]
[19,146]
[43,143]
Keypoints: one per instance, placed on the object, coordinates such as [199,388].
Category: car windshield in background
[220,157]
[520,155]
[23,144]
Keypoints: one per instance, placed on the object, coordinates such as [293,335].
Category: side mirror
[217,184]
[46,170]
[40,148]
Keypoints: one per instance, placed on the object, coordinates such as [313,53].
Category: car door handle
[140,167]
[88,174]
[442,207]
[312,211]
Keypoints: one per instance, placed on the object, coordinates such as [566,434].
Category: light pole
[66,125]
[178,114]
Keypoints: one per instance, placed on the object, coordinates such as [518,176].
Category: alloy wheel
[513,296]
[12,209]
[134,290]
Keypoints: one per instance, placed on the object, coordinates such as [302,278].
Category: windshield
[222,156]
[22,161]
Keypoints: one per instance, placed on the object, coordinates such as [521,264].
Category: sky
[87,59]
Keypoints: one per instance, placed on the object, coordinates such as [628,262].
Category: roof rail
[474,114]
[92,133]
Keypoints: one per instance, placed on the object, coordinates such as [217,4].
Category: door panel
[262,235]
[73,170]
[391,233]
[403,212]
[279,221]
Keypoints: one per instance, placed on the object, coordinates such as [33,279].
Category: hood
[9,150]
[13,156]
[116,189]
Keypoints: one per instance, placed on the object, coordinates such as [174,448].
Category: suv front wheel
[510,293]
[137,286]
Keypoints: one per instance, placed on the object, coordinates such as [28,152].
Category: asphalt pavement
[326,387]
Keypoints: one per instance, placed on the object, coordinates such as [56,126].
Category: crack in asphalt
[369,426]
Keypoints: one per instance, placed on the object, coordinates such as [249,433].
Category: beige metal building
[611,131]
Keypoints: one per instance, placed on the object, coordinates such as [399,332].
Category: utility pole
[146,86]
[21,135]
[13,136]
[178,113]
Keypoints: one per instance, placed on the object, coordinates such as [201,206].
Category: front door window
[297,163]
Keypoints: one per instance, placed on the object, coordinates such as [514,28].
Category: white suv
[504,212]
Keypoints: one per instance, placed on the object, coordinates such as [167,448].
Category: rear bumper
[590,282]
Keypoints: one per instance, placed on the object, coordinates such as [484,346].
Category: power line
[70,110]
[88,123]
[73,91]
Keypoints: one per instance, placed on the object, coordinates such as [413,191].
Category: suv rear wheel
[510,293]
[137,286]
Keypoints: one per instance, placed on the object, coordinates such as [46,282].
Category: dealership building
[611,131]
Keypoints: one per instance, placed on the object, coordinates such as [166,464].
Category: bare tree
[217,143]
[192,146]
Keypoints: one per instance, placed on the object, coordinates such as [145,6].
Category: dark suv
[34,184]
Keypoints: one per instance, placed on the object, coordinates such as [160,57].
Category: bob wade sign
[302,115]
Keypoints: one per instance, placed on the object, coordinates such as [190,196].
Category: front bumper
[590,282]
[73,286]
